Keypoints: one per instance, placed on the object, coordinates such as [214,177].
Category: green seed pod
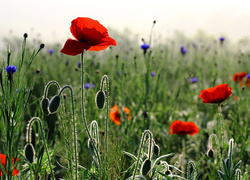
[29,152]
[100,99]
[146,166]
[156,150]
[54,104]
[210,153]
[44,106]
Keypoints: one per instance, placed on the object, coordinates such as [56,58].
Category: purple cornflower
[183,50]
[87,86]
[152,74]
[193,79]
[11,69]
[93,86]
[79,64]
[67,63]
[222,39]
[248,76]
[51,51]
[145,46]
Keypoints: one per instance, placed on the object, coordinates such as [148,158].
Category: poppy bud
[100,99]
[210,153]
[25,35]
[145,114]
[42,46]
[29,152]
[146,166]
[44,106]
[54,104]
[156,150]
[167,172]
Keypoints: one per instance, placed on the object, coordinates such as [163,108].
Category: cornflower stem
[83,114]
[44,140]
[147,82]
[105,80]
[74,127]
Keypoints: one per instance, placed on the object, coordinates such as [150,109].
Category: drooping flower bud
[44,106]
[100,99]
[54,104]
[29,152]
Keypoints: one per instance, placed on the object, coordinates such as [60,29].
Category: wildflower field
[108,106]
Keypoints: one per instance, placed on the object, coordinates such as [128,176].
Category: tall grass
[61,145]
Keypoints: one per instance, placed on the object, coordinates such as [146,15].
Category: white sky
[52,18]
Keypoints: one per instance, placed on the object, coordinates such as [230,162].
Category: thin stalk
[44,140]
[106,80]
[140,149]
[74,128]
[83,113]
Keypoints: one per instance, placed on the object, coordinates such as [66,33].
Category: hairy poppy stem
[29,129]
[74,127]
[83,114]
[105,80]
[145,133]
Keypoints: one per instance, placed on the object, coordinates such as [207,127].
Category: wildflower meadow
[104,105]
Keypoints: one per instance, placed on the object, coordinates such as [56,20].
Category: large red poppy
[115,116]
[3,159]
[183,128]
[89,34]
[216,94]
[238,77]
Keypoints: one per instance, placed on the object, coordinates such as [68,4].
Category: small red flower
[237,77]
[115,116]
[183,128]
[216,94]
[3,159]
[89,34]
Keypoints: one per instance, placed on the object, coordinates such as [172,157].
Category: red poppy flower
[216,94]
[237,77]
[3,159]
[248,82]
[89,34]
[115,116]
[183,128]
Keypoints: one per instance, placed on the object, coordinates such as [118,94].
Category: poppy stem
[29,129]
[74,126]
[220,126]
[84,117]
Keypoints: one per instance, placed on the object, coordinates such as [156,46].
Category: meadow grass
[141,147]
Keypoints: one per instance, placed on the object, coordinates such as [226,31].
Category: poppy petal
[15,172]
[105,42]
[86,29]
[73,47]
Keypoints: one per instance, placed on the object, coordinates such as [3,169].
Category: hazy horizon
[50,20]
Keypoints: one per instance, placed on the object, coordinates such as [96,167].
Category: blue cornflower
[145,46]
[248,76]
[193,79]
[93,86]
[67,63]
[11,69]
[222,39]
[183,50]
[152,74]
[51,51]
[87,86]
[79,64]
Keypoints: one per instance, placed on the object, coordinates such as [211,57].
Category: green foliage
[154,101]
